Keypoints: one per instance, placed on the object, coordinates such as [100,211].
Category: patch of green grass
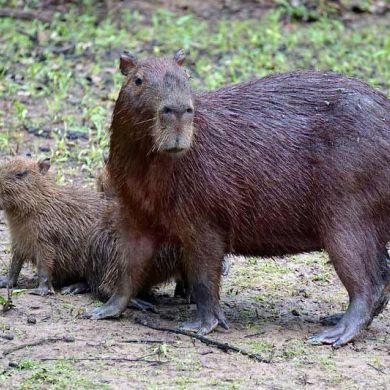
[60,375]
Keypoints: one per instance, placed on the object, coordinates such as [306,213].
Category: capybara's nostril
[166,110]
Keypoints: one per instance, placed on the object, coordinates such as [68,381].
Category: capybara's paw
[3,281]
[77,288]
[200,327]
[143,305]
[206,325]
[42,291]
[332,319]
[338,335]
[102,312]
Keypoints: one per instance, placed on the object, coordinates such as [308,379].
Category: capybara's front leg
[136,252]
[204,269]
[13,274]
[361,267]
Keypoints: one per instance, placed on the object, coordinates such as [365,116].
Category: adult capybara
[48,223]
[288,163]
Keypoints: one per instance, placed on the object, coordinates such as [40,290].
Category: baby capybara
[48,224]
[68,232]
[284,164]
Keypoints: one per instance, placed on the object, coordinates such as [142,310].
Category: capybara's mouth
[175,151]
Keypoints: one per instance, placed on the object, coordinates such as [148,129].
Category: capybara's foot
[337,336]
[42,291]
[332,319]
[206,324]
[3,281]
[76,288]
[143,305]
[113,308]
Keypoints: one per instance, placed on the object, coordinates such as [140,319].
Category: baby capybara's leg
[360,266]
[136,252]
[204,268]
[13,274]
[45,287]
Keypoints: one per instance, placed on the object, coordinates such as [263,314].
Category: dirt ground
[272,305]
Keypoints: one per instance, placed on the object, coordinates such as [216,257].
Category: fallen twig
[48,340]
[137,341]
[24,15]
[376,368]
[222,346]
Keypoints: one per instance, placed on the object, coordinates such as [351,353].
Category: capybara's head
[21,179]
[156,102]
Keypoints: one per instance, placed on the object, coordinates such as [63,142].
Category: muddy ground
[272,305]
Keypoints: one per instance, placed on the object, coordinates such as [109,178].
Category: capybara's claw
[200,327]
[113,308]
[140,304]
[337,336]
[102,312]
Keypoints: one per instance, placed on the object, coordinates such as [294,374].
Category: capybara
[68,232]
[48,223]
[288,163]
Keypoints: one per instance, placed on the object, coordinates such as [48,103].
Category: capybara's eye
[190,110]
[19,175]
[138,81]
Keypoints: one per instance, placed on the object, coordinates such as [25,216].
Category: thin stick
[222,346]
[376,368]
[24,15]
[48,340]
[136,341]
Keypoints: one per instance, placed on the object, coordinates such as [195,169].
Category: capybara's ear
[179,57]
[127,61]
[44,165]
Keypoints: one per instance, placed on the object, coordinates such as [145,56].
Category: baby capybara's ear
[179,57]
[44,165]
[127,61]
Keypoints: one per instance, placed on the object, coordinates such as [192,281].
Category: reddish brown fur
[288,163]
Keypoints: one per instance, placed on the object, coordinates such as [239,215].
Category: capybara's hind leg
[360,266]
[334,319]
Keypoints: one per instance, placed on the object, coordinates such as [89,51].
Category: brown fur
[289,163]
[49,224]
[71,230]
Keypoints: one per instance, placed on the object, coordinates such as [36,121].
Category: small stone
[295,312]
[31,320]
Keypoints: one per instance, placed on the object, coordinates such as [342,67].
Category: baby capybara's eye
[22,174]
[138,81]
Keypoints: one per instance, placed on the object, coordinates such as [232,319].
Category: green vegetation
[69,96]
